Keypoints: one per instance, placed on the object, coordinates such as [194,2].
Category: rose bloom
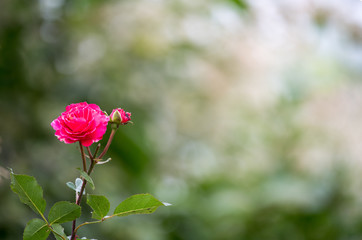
[120,116]
[81,122]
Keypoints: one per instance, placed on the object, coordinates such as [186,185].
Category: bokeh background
[247,113]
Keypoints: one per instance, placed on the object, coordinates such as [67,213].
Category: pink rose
[81,122]
[119,116]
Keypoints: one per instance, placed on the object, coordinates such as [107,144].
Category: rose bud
[119,117]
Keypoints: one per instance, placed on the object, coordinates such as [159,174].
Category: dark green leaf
[29,191]
[138,204]
[59,230]
[99,204]
[36,229]
[63,212]
[86,177]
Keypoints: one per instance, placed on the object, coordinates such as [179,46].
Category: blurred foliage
[247,113]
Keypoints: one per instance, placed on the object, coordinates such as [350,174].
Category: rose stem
[108,144]
[83,184]
[93,163]
[96,151]
[83,156]
[89,153]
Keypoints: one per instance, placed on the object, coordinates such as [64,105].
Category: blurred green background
[247,113]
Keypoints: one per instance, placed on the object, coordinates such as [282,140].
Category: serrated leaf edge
[57,234]
[12,187]
[55,221]
[94,215]
[45,225]
[135,211]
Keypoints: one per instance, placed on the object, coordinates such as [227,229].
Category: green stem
[107,217]
[42,215]
[51,229]
[99,221]
[87,223]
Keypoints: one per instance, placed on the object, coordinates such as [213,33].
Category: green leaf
[63,212]
[86,177]
[36,229]
[137,204]
[59,230]
[71,185]
[241,4]
[29,191]
[99,204]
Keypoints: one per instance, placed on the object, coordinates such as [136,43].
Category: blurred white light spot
[226,17]
[50,9]
[90,50]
